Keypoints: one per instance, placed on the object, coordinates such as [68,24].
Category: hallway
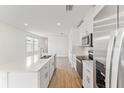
[64,76]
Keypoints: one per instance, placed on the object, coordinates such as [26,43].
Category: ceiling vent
[69,7]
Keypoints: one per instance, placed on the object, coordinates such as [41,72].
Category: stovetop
[82,58]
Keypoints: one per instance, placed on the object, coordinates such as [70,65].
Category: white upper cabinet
[74,36]
[87,26]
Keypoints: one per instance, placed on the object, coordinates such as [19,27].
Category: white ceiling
[43,19]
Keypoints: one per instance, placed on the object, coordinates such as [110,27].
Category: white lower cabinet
[52,67]
[44,76]
[22,80]
[88,74]
[3,79]
[46,73]
[33,79]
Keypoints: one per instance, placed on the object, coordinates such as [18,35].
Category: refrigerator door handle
[109,59]
[116,58]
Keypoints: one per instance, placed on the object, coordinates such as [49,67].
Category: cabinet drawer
[88,65]
[88,62]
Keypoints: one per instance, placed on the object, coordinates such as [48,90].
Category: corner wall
[58,45]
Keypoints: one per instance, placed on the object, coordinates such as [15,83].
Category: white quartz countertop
[39,65]
[22,67]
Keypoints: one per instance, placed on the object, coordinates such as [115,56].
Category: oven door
[79,68]
[100,75]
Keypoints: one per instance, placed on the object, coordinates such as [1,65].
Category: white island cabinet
[38,75]
[52,67]
[44,75]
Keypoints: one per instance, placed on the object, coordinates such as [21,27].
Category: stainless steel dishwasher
[79,64]
[79,67]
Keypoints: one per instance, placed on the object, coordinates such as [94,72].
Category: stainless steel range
[79,64]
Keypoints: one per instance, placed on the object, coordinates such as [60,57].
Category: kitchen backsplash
[81,51]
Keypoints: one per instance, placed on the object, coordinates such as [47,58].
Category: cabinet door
[44,76]
[87,75]
[52,67]
[88,78]
[42,82]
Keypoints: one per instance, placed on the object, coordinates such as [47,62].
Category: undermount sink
[45,57]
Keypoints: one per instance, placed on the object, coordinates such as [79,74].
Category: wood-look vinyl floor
[64,76]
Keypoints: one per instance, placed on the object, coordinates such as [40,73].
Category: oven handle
[78,60]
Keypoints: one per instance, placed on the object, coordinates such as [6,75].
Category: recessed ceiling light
[26,24]
[58,24]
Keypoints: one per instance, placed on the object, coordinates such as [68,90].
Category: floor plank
[64,76]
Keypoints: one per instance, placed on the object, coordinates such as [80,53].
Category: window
[31,50]
[36,53]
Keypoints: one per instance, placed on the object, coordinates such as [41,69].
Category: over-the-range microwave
[87,41]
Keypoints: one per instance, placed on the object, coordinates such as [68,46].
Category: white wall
[13,46]
[87,25]
[13,56]
[58,45]
[73,41]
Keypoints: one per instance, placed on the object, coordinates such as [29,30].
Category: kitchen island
[37,75]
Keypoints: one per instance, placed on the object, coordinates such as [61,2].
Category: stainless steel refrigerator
[117,68]
[108,42]
[103,51]
[109,58]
